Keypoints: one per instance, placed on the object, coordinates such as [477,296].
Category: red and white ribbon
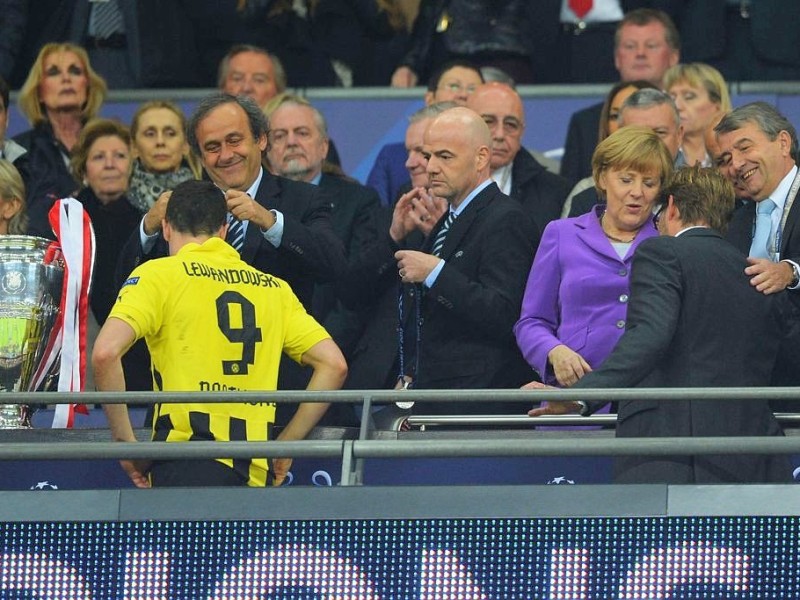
[73,229]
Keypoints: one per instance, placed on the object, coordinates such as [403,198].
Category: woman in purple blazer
[576,297]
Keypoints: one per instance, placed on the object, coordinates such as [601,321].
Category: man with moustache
[471,270]
[298,145]
[646,44]
[515,171]
[758,153]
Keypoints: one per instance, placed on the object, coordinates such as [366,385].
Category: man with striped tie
[249,319]
[471,272]
[281,227]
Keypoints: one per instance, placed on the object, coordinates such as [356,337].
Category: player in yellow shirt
[211,323]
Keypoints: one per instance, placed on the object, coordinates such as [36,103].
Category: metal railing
[352,453]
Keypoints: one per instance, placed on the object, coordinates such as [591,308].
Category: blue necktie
[235,235]
[438,242]
[760,246]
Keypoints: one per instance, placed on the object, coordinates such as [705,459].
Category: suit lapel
[791,218]
[267,195]
[463,222]
[591,234]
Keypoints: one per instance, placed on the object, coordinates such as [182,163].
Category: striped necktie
[235,235]
[438,242]
[105,19]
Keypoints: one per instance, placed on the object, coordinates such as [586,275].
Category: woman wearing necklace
[576,297]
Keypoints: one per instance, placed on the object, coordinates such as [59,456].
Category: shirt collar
[462,207]
[251,191]
[685,229]
[782,191]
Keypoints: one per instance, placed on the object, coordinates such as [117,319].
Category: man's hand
[557,408]
[414,266]
[568,365]
[427,210]
[244,208]
[404,77]
[280,469]
[769,277]
[404,218]
[136,470]
[154,216]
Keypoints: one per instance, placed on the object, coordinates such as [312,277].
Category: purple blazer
[577,293]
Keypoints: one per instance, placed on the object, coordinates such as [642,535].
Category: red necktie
[580,7]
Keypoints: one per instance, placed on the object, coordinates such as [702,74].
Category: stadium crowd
[453,267]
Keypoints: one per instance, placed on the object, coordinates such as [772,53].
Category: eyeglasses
[457,88]
[511,125]
[657,214]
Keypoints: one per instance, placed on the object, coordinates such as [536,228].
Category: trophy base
[14,416]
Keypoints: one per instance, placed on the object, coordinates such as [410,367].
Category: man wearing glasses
[454,81]
[516,172]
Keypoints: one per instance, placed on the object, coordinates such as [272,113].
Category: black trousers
[194,473]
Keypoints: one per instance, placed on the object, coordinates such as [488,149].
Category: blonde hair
[13,188]
[29,102]
[191,159]
[700,75]
[632,147]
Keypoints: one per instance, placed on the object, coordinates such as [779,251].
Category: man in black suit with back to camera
[694,320]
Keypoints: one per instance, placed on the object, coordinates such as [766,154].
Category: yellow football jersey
[214,323]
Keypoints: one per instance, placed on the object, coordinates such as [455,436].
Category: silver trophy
[31,277]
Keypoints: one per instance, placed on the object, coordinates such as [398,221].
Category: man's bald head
[457,145]
[501,109]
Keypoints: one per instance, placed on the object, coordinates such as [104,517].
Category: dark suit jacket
[371,286]
[309,253]
[581,142]
[694,320]
[740,234]
[583,202]
[540,192]
[161,47]
[468,315]
[351,207]
[773,30]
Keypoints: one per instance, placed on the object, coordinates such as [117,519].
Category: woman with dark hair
[61,93]
[101,161]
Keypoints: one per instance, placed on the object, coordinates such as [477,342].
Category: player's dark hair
[197,207]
